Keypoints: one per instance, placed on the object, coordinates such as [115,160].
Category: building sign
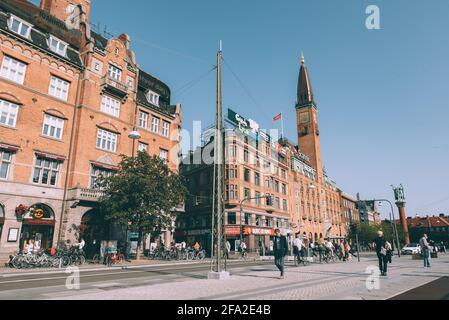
[232,230]
[259,231]
[198,232]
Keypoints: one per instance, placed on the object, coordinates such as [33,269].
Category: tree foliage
[368,232]
[142,195]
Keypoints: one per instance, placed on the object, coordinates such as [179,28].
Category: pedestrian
[320,248]
[297,248]
[197,246]
[262,248]
[341,255]
[346,249]
[280,251]
[243,249]
[389,249]
[442,247]
[425,250]
[381,252]
[227,249]
[29,248]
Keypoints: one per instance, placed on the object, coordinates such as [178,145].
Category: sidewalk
[338,281]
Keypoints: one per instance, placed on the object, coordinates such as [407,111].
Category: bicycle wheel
[82,260]
[201,255]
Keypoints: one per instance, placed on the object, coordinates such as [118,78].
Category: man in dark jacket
[280,251]
[381,252]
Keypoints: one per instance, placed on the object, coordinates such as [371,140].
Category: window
[98,172]
[247,193]
[106,140]
[153,97]
[232,219]
[114,73]
[258,198]
[110,106]
[233,192]
[165,128]
[278,203]
[276,186]
[13,70]
[256,178]
[59,88]
[143,119]
[5,163]
[143,147]
[8,113]
[155,125]
[284,189]
[46,171]
[163,154]
[258,220]
[19,26]
[284,205]
[246,156]
[53,127]
[284,174]
[57,46]
[247,175]
[247,219]
[232,172]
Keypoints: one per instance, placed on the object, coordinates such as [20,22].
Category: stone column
[403,218]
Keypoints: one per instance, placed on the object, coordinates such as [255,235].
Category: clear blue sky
[382,94]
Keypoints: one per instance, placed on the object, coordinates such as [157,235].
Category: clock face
[304,117]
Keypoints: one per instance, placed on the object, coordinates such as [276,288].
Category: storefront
[38,225]
[232,234]
[258,236]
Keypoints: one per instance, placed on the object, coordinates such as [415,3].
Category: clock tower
[66,10]
[307,121]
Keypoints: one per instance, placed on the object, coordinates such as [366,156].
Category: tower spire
[305,92]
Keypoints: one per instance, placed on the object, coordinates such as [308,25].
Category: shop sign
[232,230]
[39,222]
[259,231]
[38,214]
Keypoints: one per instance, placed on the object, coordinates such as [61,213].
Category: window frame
[153,97]
[155,123]
[92,176]
[17,72]
[21,24]
[161,150]
[8,163]
[165,128]
[42,168]
[9,105]
[141,121]
[53,120]
[114,72]
[108,134]
[110,108]
[64,94]
[145,149]
[57,50]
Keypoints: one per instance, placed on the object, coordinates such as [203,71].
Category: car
[411,248]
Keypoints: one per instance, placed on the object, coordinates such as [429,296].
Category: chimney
[64,9]
[126,40]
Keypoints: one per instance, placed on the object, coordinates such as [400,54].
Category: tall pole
[394,229]
[219,163]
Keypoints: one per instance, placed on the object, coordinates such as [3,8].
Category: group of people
[302,247]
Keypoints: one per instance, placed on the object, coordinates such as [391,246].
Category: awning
[50,156]
[105,166]
[9,147]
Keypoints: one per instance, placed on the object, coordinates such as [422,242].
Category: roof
[426,222]
[149,82]
[43,26]
[305,91]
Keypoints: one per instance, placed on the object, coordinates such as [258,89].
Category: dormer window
[57,46]
[19,26]
[115,73]
[153,97]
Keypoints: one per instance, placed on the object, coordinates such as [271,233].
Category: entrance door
[41,235]
[94,229]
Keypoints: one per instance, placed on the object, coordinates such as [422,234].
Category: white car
[411,248]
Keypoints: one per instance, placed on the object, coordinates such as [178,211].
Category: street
[407,279]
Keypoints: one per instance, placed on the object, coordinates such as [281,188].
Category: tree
[142,195]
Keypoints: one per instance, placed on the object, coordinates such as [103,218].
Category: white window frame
[9,112]
[161,153]
[165,128]
[143,119]
[142,147]
[153,97]
[50,169]
[95,172]
[114,72]
[53,123]
[110,106]
[6,162]
[107,140]
[22,23]
[155,124]
[57,49]
[13,69]
[59,88]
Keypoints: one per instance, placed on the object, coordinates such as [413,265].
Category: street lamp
[134,135]
[392,221]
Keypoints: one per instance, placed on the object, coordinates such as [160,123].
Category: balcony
[82,194]
[115,87]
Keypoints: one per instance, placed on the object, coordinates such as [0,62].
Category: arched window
[2,211]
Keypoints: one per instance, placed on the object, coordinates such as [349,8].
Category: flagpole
[282,126]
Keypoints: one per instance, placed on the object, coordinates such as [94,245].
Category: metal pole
[394,225]
[358,247]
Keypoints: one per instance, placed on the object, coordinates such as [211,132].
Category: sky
[382,95]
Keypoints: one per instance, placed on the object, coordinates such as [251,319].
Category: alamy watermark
[373,280]
[72,281]
[372,22]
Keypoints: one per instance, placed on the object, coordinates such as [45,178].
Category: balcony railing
[83,194]
[115,87]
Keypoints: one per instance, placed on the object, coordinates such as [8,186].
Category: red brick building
[69,98]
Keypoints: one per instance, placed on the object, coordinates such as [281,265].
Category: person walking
[381,252]
[425,250]
[297,247]
[228,249]
[389,249]
[320,248]
[280,251]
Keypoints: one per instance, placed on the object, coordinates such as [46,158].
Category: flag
[278,117]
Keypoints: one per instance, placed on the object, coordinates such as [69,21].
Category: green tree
[142,195]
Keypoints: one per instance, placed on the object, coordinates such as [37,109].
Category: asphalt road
[41,285]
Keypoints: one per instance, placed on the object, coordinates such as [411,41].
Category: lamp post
[392,221]
[134,135]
